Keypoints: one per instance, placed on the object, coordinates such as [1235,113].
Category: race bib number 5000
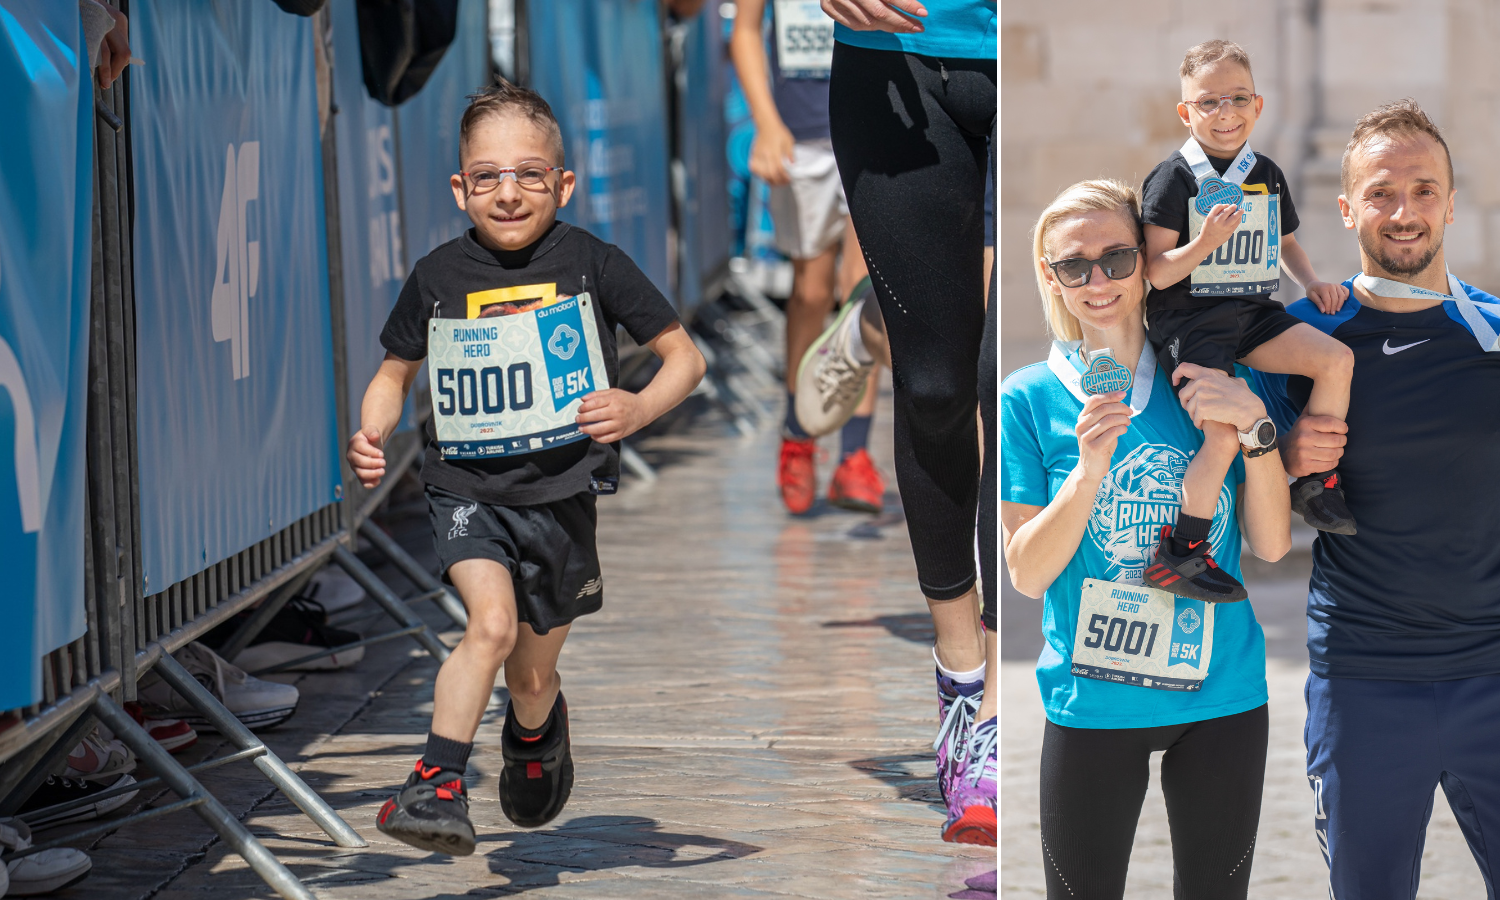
[511,384]
[1249,261]
[1141,636]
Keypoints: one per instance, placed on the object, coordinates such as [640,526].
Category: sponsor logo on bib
[1214,191]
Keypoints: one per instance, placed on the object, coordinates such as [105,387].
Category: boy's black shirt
[564,257]
[1164,201]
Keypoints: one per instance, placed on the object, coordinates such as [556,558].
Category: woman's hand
[876,15]
[1103,420]
[1213,396]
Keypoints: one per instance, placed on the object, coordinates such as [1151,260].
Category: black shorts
[548,549]
[1214,336]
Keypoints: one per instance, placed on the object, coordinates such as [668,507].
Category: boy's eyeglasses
[484,179]
[1116,264]
[1210,105]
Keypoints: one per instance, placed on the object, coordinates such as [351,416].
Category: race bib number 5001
[511,384]
[1141,636]
[1249,261]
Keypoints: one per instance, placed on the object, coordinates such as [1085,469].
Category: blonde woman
[1088,483]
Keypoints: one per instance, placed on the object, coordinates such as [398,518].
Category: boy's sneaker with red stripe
[1319,499]
[538,774]
[431,812]
[1193,574]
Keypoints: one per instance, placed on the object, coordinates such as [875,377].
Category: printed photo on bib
[1249,261]
[804,39]
[509,379]
[1140,636]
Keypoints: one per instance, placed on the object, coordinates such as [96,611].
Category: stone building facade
[1089,88]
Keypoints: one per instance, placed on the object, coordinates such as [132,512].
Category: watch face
[1265,434]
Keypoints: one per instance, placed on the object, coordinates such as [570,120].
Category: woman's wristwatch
[1259,439]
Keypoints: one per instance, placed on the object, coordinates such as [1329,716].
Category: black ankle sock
[1190,529]
[530,734]
[446,753]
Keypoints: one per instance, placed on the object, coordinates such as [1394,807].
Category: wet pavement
[752,714]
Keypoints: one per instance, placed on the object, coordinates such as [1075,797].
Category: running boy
[519,444]
[1219,223]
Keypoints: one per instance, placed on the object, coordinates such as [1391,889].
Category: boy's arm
[612,415]
[1327,297]
[1167,263]
[378,416]
[773,142]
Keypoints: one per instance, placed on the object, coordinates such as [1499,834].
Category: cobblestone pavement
[752,715]
[1287,861]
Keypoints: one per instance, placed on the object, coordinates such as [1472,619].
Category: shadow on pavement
[914,627]
[910,774]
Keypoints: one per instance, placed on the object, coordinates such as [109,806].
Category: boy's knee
[493,633]
[530,686]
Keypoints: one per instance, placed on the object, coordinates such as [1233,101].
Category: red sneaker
[797,475]
[174,735]
[857,484]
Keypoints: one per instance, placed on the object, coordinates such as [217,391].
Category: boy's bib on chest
[1249,261]
[1143,637]
[511,384]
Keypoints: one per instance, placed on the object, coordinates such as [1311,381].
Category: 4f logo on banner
[237,265]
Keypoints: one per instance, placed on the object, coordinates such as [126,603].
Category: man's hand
[611,415]
[1328,298]
[1315,444]
[876,15]
[114,50]
[769,154]
[1219,226]
[366,457]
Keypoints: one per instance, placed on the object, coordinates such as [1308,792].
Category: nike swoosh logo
[1392,351]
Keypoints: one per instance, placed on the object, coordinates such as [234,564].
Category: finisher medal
[1104,375]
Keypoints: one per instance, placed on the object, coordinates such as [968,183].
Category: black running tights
[910,134]
[1093,784]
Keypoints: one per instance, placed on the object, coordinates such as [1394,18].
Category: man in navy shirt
[1403,625]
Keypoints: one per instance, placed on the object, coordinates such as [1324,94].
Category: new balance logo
[237,261]
[592,586]
[461,521]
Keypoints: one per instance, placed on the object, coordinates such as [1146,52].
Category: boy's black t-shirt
[1164,202]
[564,257]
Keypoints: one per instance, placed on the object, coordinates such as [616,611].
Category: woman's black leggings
[1093,784]
[911,136]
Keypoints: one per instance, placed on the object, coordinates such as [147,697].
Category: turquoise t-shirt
[955,29]
[1038,450]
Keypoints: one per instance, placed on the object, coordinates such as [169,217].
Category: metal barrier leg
[269,763]
[388,601]
[635,463]
[234,833]
[413,570]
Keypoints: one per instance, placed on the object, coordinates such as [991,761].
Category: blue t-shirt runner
[1216,652]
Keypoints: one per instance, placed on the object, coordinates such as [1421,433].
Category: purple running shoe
[971,794]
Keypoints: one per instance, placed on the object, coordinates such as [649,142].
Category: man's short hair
[503,99]
[1208,53]
[1402,119]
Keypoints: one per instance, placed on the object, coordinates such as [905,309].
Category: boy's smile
[511,216]
[1224,131]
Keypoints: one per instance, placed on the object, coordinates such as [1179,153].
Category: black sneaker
[538,774]
[57,790]
[1194,574]
[430,813]
[1319,500]
[298,630]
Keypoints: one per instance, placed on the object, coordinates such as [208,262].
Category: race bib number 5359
[511,384]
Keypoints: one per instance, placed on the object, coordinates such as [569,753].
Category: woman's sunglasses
[1116,264]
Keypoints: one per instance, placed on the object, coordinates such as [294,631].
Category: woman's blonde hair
[1099,194]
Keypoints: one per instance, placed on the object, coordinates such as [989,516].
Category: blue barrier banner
[427,127]
[599,64]
[701,136]
[371,230]
[235,404]
[46,198]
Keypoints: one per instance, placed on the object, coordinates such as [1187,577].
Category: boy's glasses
[484,179]
[1210,105]
[1116,264]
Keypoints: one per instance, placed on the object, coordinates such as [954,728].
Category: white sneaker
[830,381]
[39,873]
[99,758]
[257,703]
[334,590]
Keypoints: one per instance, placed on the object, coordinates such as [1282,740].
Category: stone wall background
[1089,89]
